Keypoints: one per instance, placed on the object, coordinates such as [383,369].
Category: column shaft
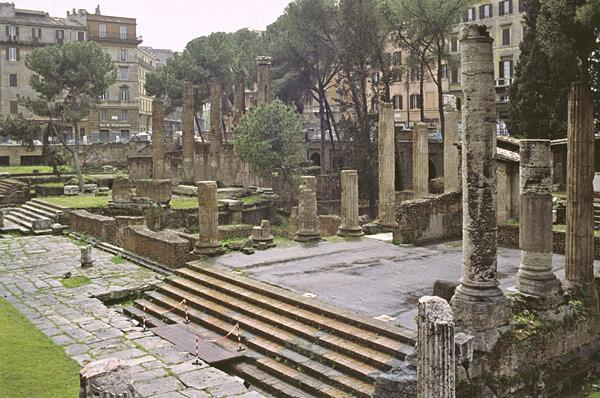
[349,205]
[387,167]
[158,140]
[420,160]
[451,175]
[208,220]
[187,118]
[308,221]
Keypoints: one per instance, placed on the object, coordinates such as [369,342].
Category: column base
[307,236]
[350,232]
[541,294]
[209,249]
[480,310]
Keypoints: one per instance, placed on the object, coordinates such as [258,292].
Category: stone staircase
[296,346]
[36,216]
[596,216]
[13,192]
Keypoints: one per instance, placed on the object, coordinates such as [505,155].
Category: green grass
[118,260]
[252,199]
[29,169]
[32,365]
[51,184]
[184,203]
[78,202]
[75,281]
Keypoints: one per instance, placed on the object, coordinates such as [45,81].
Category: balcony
[505,82]
[114,37]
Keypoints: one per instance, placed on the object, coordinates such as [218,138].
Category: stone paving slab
[30,272]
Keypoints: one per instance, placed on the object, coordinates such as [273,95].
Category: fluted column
[187,118]
[387,167]
[451,177]
[435,349]
[264,93]
[308,221]
[479,304]
[208,220]
[535,277]
[579,253]
[420,160]
[216,132]
[349,205]
[158,140]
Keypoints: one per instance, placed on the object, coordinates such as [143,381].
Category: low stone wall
[235,231]
[126,221]
[98,226]
[164,247]
[158,191]
[329,224]
[431,218]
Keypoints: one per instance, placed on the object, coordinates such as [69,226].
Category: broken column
[187,119]
[158,140]
[262,236]
[435,349]
[479,304]
[579,251]
[308,221]
[387,167]
[451,176]
[535,277]
[420,160]
[208,220]
[264,93]
[109,377]
[216,133]
[349,226]
[86,259]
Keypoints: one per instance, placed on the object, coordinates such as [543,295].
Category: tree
[269,137]
[70,80]
[18,128]
[246,47]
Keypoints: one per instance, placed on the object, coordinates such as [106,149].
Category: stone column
[579,253]
[216,133]
[420,160]
[188,142]
[451,176]
[308,220]
[208,220]
[158,140]
[387,167]
[479,304]
[86,259]
[535,277]
[239,97]
[435,349]
[264,93]
[349,226]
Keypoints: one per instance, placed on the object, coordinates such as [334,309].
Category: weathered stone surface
[71,190]
[420,160]
[349,225]
[1,219]
[444,289]
[479,304]
[387,167]
[108,377]
[216,132]
[208,220]
[329,224]
[451,154]
[262,235]
[86,259]
[435,349]
[308,228]
[159,191]
[264,93]
[400,382]
[188,142]
[164,247]
[158,140]
[294,220]
[101,227]
[124,222]
[121,190]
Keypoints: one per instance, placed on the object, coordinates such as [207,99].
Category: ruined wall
[426,219]
[329,224]
[98,226]
[163,247]
[404,160]
[508,199]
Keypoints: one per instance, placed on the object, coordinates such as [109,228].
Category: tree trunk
[440,89]
[46,146]
[239,98]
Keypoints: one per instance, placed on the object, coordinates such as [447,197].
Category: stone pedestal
[420,160]
[106,378]
[308,224]
[188,142]
[264,93]
[349,226]
[435,349]
[451,162]
[387,168]
[158,140]
[86,259]
[579,251]
[479,304]
[121,190]
[262,235]
[535,277]
[208,220]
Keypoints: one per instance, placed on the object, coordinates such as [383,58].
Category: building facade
[147,62]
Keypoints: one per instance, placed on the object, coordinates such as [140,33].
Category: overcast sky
[172,23]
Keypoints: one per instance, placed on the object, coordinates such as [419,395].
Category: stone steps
[39,211]
[36,217]
[41,204]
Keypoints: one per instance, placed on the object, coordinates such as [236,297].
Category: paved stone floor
[367,275]
[30,269]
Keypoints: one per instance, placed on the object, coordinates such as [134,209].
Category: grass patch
[118,259]
[51,184]
[75,281]
[184,203]
[78,202]
[252,199]
[32,365]
[29,169]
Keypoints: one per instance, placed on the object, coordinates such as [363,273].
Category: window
[81,36]
[397,58]
[124,55]
[454,43]
[14,106]
[103,115]
[471,15]
[397,101]
[505,7]
[102,30]
[124,114]
[454,75]
[506,72]
[415,73]
[123,73]
[485,11]
[375,77]
[105,95]
[124,135]
[415,101]
[396,76]
[521,6]
[123,32]
[13,80]
[124,93]
[444,71]
[506,35]
[12,54]
[60,36]
[36,34]
[374,104]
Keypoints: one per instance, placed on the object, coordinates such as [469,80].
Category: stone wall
[507,177]
[98,226]
[163,247]
[430,218]
[329,224]
[404,160]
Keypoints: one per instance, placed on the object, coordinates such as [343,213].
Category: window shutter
[491,10]
[17,31]
[510,6]
[33,32]
[481,12]
[18,54]
[7,53]
[510,63]
[501,74]
[7,33]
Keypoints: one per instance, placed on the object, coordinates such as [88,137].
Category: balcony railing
[97,36]
[505,82]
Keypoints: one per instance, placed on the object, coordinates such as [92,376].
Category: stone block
[101,227]
[164,247]
[106,378]
[400,382]
[70,190]
[90,188]
[329,224]
[158,191]
[123,222]
[444,289]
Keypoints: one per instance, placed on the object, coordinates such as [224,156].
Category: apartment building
[147,62]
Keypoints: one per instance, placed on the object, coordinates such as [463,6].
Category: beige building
[146,63]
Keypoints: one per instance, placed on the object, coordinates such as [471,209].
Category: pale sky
[172,24]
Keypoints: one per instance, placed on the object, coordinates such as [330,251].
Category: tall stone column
[216,132]
[579,253]
[158,140]
[387,167]
[451,177]
[239,97]
[208,220]
[535,277]
[264,92]
[479,304]
[308,219]
[349,204]
[420,160]
[435,349]
[187,118]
